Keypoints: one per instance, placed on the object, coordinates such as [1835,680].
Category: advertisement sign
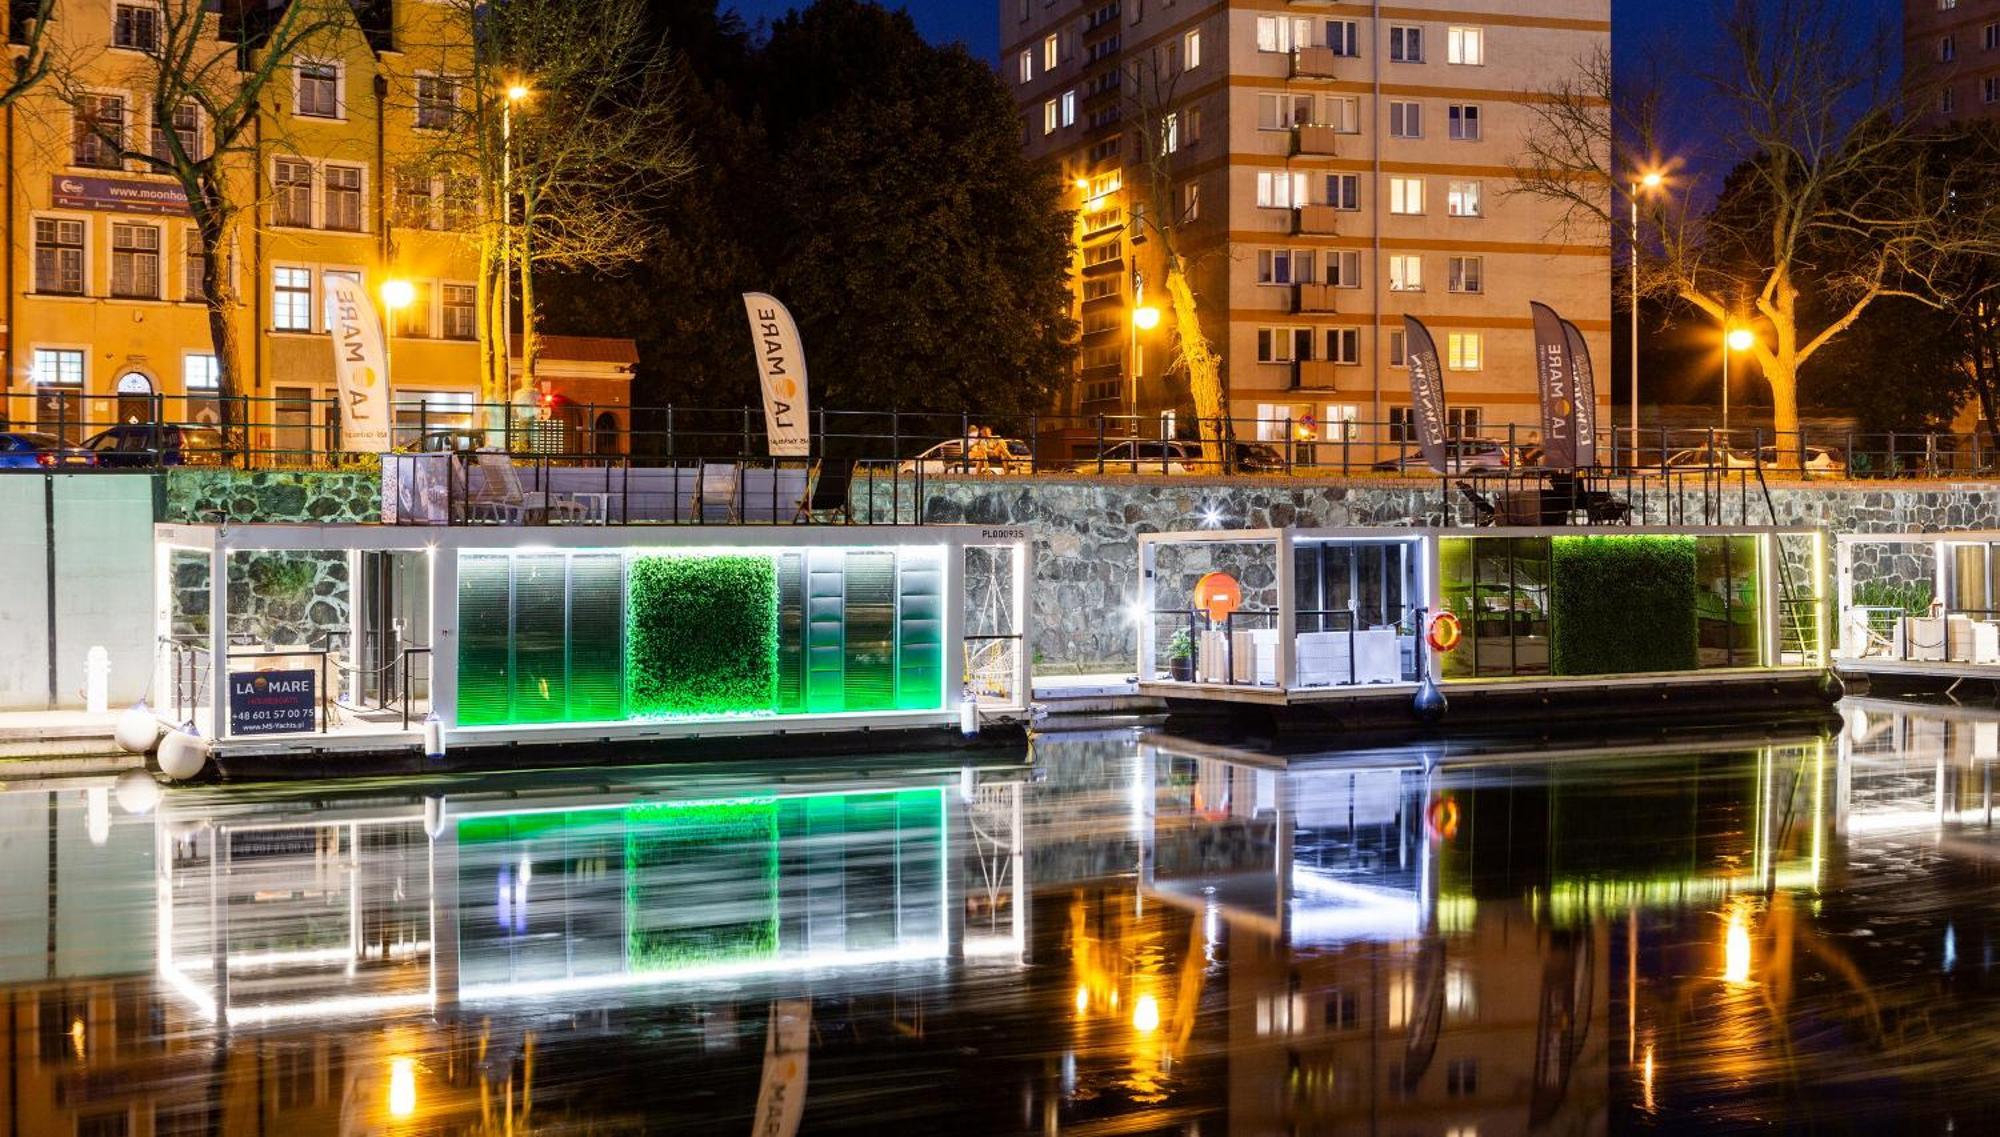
[1555,379]
[360,366]
[273,702]
[1420,354]
[781,372]
[1585,394]
[127,195]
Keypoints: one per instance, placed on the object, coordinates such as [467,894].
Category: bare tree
[1836,201]
[204,79]
[1158,123]
[1566,154]
[31,58]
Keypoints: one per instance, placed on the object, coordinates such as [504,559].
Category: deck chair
[1483,512]
[494,493]
[720,490]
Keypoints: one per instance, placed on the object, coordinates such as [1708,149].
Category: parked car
[461,441]
[29,450]
[1462,455]
[1819,460]
[155,444]
[1716,458]
[988,456]
[1180,456]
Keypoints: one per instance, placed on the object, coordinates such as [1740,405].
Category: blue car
[29,450]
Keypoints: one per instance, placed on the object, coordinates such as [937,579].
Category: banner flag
[1555,380]
[781,1099]
[781,369]
[360,366]
[1420,353]
[1585,396]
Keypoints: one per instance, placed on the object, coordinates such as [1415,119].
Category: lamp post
[396,296]
[1737,339]
[515,93]
[1650,180]
[1145,318]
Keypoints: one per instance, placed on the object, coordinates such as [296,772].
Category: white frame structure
[1943,575]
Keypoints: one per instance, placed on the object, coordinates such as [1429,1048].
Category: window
[413,320]
[100,131]
[1465,274]
[343,198]
[1343,191]
[1406,43]
[293,179]
[58,256]
[194,266]
[1406,195]
[1341,37]
[1461,1077]
[1283,33]
[135,261]
[1343,268]
[318,91]
[1278,189]
[1285,266]
[1947,49]
[461,198]
[1464,119]
[1102,254]
[1342,113]
[1463,350]
[437,98]
[1991,36]
[1170,133]
[1462,422]
[291,299]
[1192,115]
[1283,345]
[57,367]
[1051,113]
[1989,90]
[1402,428]
[1051,53]
[185,126]
[201,379]
[136,27]
[1406,273]
[1191,50]
[1343,345]
[416,201]
[1190,201]
[1283,112]
[460,302]
[1396,356]
[110,1124]
[1340,422]
[1405,120]
[1027,66]
[1069,108]
[1465,45]
[1947,101]
[1462,199]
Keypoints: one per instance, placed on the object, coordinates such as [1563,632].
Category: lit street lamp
[515,93]
[1145,318]
[1737,339]
[396,296]
[1650,181]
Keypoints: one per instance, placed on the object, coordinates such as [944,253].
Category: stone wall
[196,494]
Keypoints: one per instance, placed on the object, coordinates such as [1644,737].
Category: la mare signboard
[273,702]
[129,195]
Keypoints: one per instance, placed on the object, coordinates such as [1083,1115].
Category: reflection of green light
[1456,914]
[1569,902]
[674,853]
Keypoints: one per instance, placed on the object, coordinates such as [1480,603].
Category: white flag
[781,1099]
[781,368]
[360,366]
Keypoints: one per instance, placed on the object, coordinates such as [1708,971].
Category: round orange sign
[1218,594]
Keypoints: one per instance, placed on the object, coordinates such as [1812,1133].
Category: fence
[266,432]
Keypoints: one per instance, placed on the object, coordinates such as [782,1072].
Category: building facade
[105,317]
[1951,51]
[1332,167]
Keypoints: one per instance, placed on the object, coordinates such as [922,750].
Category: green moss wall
[1623,605]
[701,635]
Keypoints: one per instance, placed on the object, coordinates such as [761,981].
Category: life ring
[1444,632]
[1442,818]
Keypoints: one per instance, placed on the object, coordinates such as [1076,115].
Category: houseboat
[1919,611]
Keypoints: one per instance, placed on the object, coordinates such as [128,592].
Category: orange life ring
[1443,818]
[1444,632]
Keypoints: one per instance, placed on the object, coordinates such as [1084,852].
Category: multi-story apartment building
[1951,50]
[104,314]
[1334,167]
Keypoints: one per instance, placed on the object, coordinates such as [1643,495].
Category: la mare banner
[360,366]
[1420,355]
[781,372]
[1585,389]
[1555,380]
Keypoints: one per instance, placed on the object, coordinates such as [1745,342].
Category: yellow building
[104,320]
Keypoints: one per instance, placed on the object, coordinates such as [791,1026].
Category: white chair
[495,494]
[721,491]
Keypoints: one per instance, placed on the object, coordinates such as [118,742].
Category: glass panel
[596,638]
[1726,602]
[483,640]
[540,647]
[870,617]
[920,632]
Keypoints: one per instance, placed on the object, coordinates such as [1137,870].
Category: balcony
[1313,63]
[1323,140]
[1317,374]
[1316,220]
[1314,298]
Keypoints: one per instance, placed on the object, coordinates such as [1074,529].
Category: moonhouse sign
[129,195]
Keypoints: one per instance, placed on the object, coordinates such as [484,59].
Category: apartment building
[104,314]
[1334,167]
[1951,50]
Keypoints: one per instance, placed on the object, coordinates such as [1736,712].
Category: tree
[1837,202]
[29,37]
[1151,79]
[221,70]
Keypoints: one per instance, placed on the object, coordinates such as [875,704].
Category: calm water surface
[1111,934]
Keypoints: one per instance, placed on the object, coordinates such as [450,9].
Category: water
[1113,934]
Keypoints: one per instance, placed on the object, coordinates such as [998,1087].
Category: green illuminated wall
[675,855]
[1623,605]
[703,635]
[539,638]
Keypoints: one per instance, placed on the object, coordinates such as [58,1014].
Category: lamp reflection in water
[402,1088]
[1736,946]
[1146,1015]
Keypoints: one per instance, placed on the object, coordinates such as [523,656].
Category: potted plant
[1180,656]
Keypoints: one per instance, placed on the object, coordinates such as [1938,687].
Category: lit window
[1462,199]
[1027,66]
[318,92]
[1170,133]
[1463,350]
[1406,195]
[1190,202]
[135,261]
[1191,49]
[59,256]
[291,299]
[1069,108]
[1278,189]
[1465,45]
[1051,53]
[200,372]
[414,319]
[1406,273]
[1051,114]
[57,367]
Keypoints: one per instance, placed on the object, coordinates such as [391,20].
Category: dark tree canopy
[876,184]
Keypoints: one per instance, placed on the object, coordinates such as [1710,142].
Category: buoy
[433,817]
[433,736]
[136,791]
[183,753]
[137,728]
[968,715]
[1430,703]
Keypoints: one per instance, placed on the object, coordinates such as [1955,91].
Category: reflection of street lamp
[1650,180]
[1146,1015]
[402,1088]
[1737,339]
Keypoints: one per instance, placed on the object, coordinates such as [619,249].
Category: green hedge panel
[1623,605]
[702,635]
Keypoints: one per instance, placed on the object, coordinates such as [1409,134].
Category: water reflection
[1108,934]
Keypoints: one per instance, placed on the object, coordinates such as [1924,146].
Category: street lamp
[1145,318]
[516,92]
[396,296]
[1737,339]
[1650,180]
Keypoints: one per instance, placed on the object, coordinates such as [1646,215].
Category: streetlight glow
[516,92]
[1651,180]
[398,294]
[1146,1015]
[1741,339]
[1146,319]
[1082,185]
[402,1088]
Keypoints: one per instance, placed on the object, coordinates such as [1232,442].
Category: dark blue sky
[974,22]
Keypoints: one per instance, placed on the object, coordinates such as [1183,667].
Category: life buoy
[1444,632]
[1442,818]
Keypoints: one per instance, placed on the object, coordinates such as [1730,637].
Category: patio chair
[494,493]
[720,490]
[1483,512]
